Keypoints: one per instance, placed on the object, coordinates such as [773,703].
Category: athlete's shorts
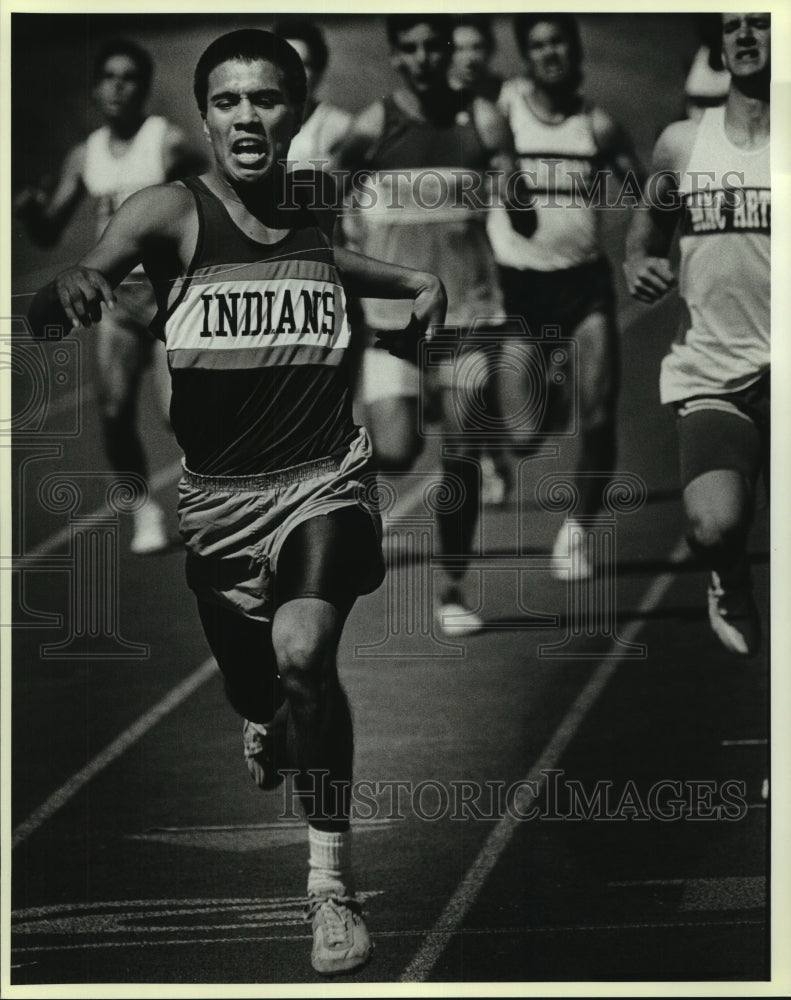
[725,432]
[562,298]
[234,529]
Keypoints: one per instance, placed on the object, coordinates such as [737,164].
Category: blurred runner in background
[558,275]
[421,144]
[130,151]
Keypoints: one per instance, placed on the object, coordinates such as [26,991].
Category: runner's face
[307,61]
[118,91]
[421,56]
[746,43]
[548,57]
[249,119]
[470,54]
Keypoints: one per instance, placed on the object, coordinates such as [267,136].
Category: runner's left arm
[616,148]
[510,185]
[369,278]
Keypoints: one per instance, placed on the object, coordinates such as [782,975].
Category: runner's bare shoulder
[674,146]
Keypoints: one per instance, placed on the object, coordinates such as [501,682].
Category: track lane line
[169,474]
[113,750]
[458,906]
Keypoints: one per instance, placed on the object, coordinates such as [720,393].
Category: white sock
[330,863]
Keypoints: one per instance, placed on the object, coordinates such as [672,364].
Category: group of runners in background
[283,318]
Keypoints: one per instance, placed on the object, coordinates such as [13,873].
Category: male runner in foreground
[712,180]
[280,541]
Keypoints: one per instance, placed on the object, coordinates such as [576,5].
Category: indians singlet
[724,277]
[559,159]
[112,179]
[256,336]
[417,215]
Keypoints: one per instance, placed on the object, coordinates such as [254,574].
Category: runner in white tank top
[324,125]
[558,275]
[723,344]
[712,180]
[129,152]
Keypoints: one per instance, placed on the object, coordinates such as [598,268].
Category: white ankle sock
[330,863]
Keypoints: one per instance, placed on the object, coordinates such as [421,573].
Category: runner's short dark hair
[481,23]
[397,24]
[250,44]
[308,32]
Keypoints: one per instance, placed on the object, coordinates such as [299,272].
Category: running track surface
[142,852]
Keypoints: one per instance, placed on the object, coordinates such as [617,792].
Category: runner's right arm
[155,220]
[649,274]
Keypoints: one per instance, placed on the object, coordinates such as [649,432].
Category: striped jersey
[256,337]
[417,214]
[724,275]
[561,161]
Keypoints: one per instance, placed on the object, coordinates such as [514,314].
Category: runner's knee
[715,529]
[305,658]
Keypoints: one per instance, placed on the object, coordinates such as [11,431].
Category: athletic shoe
[494,485]
[454,619]
[149,530]
[341,941]
[265,749]
[569,561]
[734,617]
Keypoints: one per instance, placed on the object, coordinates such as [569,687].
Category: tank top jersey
[112,179]
[316,143]
[256,337]
[724,274]
[561,161]
[416,214]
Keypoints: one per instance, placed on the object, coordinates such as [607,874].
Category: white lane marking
[409,933]
[119,745]
[743,743]
[157,482]
[530,790]
[280,824]
[244,839]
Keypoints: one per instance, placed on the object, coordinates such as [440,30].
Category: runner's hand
[649,278]
[81,292]
[428,311]
[29,203]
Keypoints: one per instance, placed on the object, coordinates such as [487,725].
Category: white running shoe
[149,530]
[734,617]
[454,619]
[569,561]
[341,942]
[265,750]
[494,487]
